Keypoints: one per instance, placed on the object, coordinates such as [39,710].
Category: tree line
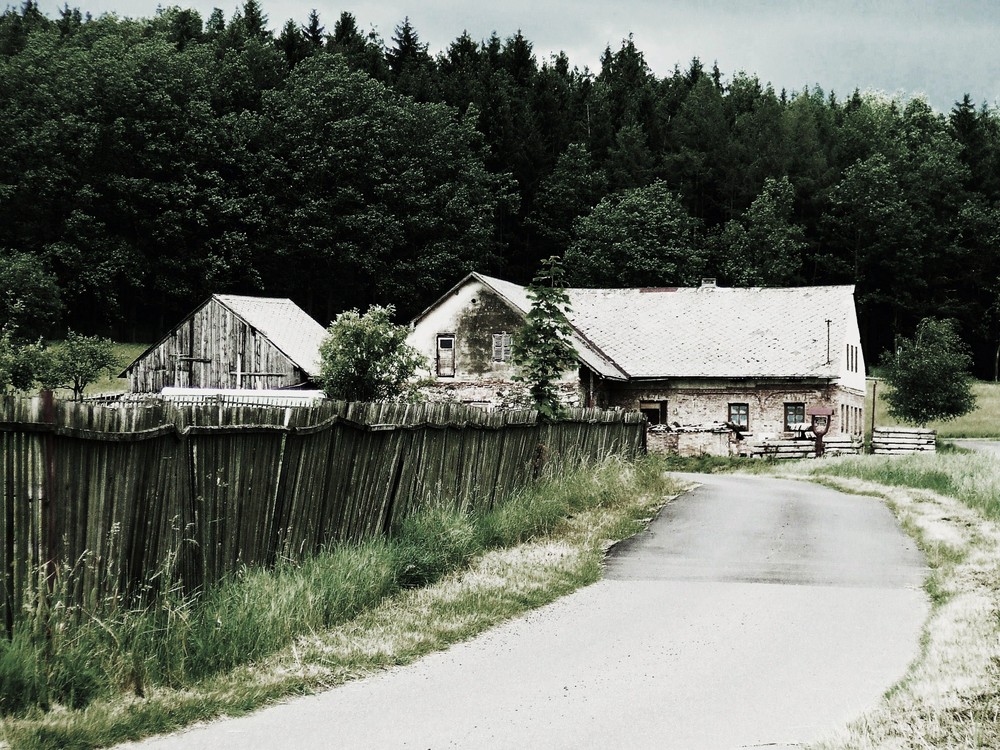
[149,162]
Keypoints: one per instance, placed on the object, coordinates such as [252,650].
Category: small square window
[739,415]
[794,414]
[502,347]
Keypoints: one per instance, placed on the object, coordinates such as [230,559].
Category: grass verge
[443,578]
[950,698]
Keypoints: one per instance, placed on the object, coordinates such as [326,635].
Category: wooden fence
[116,494]
[839,445]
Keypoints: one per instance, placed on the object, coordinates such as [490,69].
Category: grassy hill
[981,423]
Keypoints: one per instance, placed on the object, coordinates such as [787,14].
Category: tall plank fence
[115,493]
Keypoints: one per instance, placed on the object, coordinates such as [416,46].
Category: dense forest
[147,163]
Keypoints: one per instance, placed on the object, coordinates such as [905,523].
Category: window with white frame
[739,415]
[795,413]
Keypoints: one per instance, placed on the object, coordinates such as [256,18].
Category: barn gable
[233,341]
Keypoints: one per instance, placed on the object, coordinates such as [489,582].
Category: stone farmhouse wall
[691,403]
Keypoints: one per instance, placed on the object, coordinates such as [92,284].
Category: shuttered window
[501,347]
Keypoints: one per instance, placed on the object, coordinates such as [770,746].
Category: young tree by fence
[77,362]
[542,351]
[366,357]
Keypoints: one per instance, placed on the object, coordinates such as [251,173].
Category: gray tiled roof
[710,331]
[284,323]
[588,353]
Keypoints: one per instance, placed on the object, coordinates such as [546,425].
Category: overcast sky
[941,49]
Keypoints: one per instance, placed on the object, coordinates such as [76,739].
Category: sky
[939,49]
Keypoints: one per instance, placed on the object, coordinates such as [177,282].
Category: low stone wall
[691,442]
[704,443]
[661,441]
[493,394]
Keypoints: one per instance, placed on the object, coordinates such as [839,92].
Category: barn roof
[709,331]
[286,325]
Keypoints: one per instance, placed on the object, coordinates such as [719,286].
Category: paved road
[991,447]
[754,612]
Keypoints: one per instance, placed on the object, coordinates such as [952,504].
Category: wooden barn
[233,341]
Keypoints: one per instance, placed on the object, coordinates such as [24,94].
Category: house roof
[589,352]
[709,331]
[286,325]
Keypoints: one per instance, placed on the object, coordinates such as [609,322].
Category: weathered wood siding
[106,497]
[213,348]
[900,441]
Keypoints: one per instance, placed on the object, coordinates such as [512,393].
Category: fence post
[48,497]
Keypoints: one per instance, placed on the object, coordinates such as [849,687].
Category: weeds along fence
[103,499]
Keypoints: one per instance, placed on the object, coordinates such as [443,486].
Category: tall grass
[70,656]
[973,478]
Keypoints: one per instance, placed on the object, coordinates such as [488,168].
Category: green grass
[981,423]
[442,577]
[126,353]
[970,477]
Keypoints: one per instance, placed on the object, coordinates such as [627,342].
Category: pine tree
[542,352]
[254,21]
[313,32]
[293,44]
[411,68]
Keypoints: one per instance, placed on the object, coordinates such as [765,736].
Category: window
[739,415]
[654,411]
[853,358]
[501,347]
[794,414]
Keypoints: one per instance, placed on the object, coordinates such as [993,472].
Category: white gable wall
[472,313]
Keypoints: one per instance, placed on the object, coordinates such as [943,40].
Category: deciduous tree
[30,304]
[640,237]
[77,362]
[928,375]
[366,357]
[765,247]
[20,362]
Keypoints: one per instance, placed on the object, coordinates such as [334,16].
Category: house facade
[717,366]
[233,341]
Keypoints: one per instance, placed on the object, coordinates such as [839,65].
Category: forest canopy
[148,163]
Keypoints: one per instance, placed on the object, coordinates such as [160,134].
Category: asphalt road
[754,612]
[990,447]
